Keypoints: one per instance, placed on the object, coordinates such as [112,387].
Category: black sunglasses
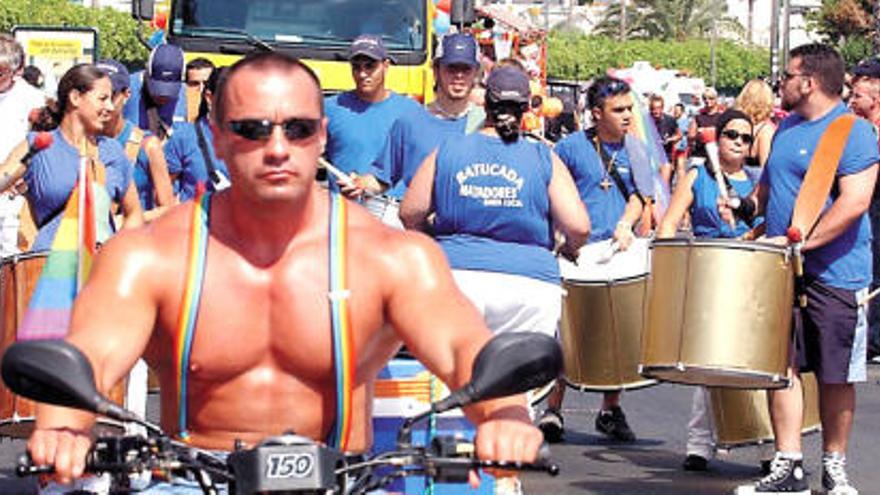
[258,130]
[734,135]
[367,65]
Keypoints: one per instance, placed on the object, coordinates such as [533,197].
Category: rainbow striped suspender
[189,308]
[343,346]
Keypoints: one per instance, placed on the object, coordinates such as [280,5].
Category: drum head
[593,264]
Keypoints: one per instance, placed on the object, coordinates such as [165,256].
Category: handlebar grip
[26,467]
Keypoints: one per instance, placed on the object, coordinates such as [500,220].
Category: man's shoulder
[388,249]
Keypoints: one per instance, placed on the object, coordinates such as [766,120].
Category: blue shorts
[835,334]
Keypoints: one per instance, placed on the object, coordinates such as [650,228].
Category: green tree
[580,57]
[668,19]
[850,25]
[116,30]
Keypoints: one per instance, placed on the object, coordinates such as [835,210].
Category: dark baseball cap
[165,71]
[458,48]
[868,68]
[368,45]
[117,73]
[508,84]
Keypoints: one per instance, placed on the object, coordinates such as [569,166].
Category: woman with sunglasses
[698,194]
[76,121]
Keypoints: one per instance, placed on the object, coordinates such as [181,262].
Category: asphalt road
[651,466]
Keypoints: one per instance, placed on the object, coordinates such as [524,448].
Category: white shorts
[512,303]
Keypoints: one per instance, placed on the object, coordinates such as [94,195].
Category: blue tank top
[493,208]
[706,220]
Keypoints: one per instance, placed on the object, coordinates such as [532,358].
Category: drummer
[609,180]
[698,194]
[837,266]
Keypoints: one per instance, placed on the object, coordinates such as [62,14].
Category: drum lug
[680,366]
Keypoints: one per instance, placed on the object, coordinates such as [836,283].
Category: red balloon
[444,5]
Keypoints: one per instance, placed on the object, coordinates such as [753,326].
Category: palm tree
[668,19]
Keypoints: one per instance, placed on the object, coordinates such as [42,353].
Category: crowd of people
[209,176]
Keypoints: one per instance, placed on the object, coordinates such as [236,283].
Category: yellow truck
[316,31]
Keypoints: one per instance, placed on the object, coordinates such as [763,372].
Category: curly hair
[756,100]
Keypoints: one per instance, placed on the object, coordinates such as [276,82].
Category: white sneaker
[834,479]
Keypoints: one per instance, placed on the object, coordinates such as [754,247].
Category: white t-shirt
[15,105]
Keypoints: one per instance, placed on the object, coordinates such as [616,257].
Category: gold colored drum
[718,313]
[603,317]
[742,417]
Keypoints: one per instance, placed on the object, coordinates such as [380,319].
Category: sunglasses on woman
[734,135]
[259,130]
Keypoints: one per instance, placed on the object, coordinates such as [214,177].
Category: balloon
[441,23]
[531,121]
[444,5]
[551,108]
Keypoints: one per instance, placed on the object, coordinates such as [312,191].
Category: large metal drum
[742,417]
[18,279]
[603,317]
[718,313]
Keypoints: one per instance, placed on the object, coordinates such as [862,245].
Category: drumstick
[609,253]
[349,181]
[796,238]
[712,154]
[865,300]
[335,171]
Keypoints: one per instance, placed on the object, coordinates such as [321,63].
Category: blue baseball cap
[368,45]
[164,72]
[117,73]
[508,84]
[458,48]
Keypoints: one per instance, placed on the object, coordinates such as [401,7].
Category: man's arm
[112,322]
[441,327]
[856,191]
[567,210]
[416,205]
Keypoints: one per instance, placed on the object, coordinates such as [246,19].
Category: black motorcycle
[509,364]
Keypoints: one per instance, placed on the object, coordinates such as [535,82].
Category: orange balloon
[551,108]
[531,122]
[444,5]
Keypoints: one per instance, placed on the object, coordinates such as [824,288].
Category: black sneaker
[613,424]
[550,423]
[834,479]
[694,462]
[787,477]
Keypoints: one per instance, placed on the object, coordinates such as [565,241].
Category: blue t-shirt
[140,171]
[598,190]
[356,129]
[52,173]
[705,219]
[492,206]
[844,262]
[186,160]
[412,138]
[135,109]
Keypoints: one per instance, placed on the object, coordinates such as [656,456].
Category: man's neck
[817,106]
[375,97]
[448,108]
[609,136]
[265,230]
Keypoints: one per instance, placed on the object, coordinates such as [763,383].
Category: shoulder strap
[340,322]
[206,154]
[189,305]
[133,143]
[820,174]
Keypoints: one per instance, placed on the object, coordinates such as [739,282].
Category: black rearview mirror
[142,10]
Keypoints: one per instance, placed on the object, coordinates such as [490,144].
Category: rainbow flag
[70,259]
[643,128]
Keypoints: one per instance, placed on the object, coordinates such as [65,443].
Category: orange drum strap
[820,174]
